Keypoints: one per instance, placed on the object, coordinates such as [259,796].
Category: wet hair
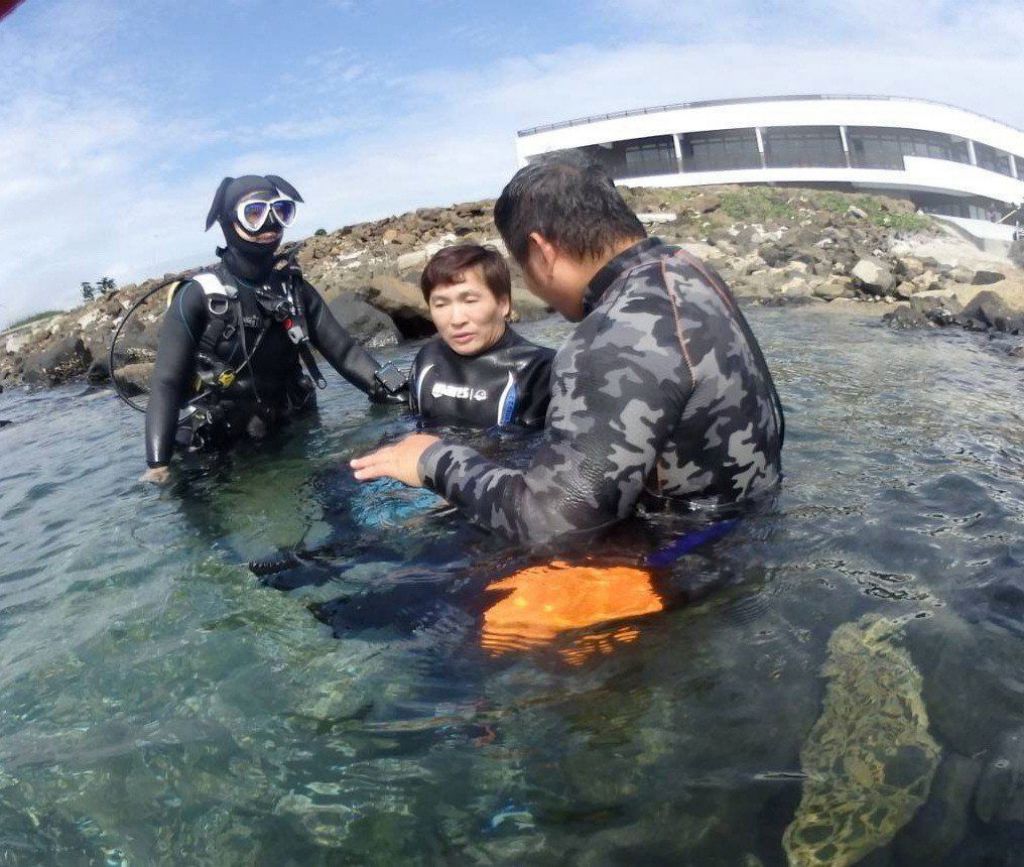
[569,199]
[449,265]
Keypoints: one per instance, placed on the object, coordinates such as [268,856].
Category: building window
[720,150]
[636,158]
[648,156]
[885,147]
[992,159]
[1020,167]
[803,146]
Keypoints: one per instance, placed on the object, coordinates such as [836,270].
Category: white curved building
[947,160]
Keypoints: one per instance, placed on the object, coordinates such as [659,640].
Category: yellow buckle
[226,378]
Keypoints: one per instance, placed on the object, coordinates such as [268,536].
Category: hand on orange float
[400,461]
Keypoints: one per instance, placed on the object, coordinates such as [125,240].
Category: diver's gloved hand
[391,385]
[382,395]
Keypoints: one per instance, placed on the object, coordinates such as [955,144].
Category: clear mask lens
[252,215]
[284,211]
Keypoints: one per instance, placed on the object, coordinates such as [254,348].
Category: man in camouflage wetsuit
[661,393]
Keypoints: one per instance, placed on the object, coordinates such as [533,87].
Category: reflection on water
[406,689]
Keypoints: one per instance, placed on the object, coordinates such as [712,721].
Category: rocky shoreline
[777,246]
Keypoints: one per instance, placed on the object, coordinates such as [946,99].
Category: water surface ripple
[162,706]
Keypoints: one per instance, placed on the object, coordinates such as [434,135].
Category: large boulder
[986,278]
[134,378]
[1016,253]
[988,309]
[1000,793]
[760,284]
[64,358]
[367,324]
[834,287]
[904,317]
[403,302]
[872,276]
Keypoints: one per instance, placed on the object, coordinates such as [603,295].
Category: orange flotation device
[546,601]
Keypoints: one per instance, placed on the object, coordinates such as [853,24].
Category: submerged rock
[1000,796]
[939,826]
[869,759]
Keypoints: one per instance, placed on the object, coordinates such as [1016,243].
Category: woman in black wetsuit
[235,338]
[477,371]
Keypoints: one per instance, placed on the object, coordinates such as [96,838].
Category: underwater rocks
[1000,795]
[869,759]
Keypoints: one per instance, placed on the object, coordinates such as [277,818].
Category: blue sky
[119,117]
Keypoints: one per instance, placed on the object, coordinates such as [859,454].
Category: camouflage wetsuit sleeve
[661,391]
[618,389]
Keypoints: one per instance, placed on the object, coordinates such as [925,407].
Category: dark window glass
[636,158]
[884,147]
[1020,167]
[720,150]
[648,156]
[992,158]
[810,146]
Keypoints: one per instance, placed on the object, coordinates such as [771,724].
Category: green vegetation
[320,232]
[832,201]
[879,214]
[35,317]
[758,204]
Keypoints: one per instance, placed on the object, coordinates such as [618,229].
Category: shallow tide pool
[379,704]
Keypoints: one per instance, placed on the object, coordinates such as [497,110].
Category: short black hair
[568,198]
[448,266]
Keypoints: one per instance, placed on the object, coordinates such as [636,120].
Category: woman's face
[467,315]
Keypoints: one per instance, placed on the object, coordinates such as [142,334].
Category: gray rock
[989,310]
[134,378]
[873,276]
[904,317]
[99,370]
[367,324]
[403,302]
[941,822]
[834,287]
[775,253]
[960,274]
[1016,253]
[1000,795]
[760,284]
[986,278]
[57,363]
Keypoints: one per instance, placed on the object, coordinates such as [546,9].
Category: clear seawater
[161,705]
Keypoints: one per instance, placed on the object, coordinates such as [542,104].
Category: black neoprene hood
[225,201]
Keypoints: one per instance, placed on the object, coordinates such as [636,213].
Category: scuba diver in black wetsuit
[236,337]
[477,372]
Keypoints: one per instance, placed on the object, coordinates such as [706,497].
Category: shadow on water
[406,689]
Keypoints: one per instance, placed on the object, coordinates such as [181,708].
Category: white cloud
[102,183]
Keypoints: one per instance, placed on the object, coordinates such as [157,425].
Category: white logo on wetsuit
[459,392]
